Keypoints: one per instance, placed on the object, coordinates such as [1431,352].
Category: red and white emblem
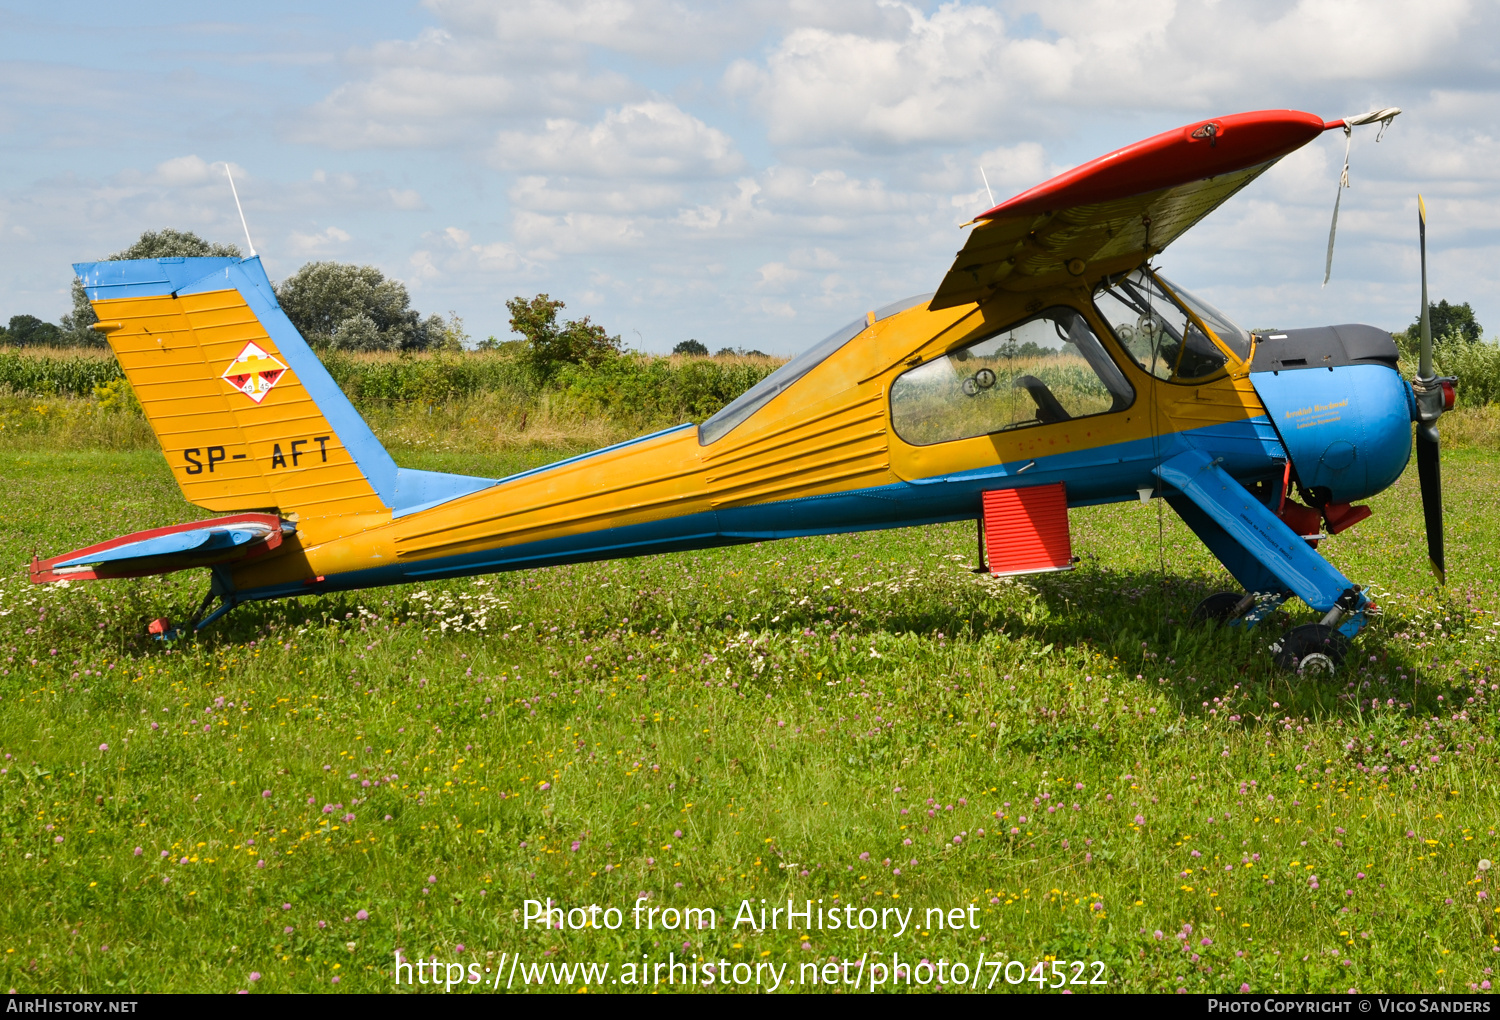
[254,372]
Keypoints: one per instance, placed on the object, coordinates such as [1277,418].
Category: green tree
[577,341]
[692,348]
[455,338]
[169,243]
[1449,323]
[153,244]
[29,331]
[355,308]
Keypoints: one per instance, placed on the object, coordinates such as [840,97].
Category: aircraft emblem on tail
[253,372]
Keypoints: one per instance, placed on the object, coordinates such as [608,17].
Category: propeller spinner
[1433,396]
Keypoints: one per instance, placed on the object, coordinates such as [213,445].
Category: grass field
[284,802]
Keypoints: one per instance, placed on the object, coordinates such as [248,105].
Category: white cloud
[323,242]
[776,276]
[576,233]
[967,70]
[648,139]
[754,174]
[406,198]
[549,194]
[815,258]
[184,170]
[452,254]
[444,89]
[659,31]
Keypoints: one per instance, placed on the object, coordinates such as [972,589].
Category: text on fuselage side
[198,458]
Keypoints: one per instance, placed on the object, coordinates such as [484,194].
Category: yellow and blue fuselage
[249,419]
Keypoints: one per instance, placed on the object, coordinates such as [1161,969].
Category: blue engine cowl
[1343,412]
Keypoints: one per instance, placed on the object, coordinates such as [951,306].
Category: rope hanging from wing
[1385,117]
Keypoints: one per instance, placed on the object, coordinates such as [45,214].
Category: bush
[429,379]
[659,391]
[29,331]
[1477,366]
[631,391]
[53,373]
[549,344]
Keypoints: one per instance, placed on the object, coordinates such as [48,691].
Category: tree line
[341,307]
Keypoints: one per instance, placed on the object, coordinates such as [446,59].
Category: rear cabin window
[1046,369]
[763,392]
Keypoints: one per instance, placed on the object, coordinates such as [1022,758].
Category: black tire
[1312,650]
[1217,608]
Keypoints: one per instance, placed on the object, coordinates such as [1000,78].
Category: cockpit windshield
[1169,332]
[1231,335]
[757,396]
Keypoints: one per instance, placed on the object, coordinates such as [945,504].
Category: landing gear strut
[162,629]
[1222,607]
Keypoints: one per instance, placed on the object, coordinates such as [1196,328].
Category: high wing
[1115,211]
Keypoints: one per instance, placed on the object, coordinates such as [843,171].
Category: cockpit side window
[1046,369]
[1158,330]
[763,392]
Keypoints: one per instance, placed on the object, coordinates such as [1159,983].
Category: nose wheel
[1313,649]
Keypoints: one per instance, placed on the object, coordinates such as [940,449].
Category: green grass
[787,708]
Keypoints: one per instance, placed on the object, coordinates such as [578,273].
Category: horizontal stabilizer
[163,550]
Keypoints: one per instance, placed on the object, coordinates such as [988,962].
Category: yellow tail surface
[248,417]
[237,424]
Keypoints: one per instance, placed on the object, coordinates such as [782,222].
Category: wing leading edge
[1121,208]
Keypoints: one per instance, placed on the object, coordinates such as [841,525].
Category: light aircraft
[1054,367]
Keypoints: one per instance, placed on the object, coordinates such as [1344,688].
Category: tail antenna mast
[235,192]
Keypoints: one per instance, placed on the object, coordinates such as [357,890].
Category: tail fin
[247,415]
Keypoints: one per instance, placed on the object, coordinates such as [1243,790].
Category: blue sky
[750,174]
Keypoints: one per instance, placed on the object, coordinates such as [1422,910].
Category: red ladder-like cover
[1026,530]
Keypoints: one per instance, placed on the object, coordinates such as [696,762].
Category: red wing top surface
[1114,211]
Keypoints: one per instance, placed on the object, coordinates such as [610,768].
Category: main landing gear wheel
[1312,650]
[1217,608]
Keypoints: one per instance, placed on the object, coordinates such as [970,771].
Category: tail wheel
[1217,608]
[1312,650]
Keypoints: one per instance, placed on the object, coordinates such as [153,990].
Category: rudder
[246,413]
[240,413]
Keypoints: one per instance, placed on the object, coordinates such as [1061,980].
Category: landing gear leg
[1235,610]
[1222,607]
[1250,540]
[162,630]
